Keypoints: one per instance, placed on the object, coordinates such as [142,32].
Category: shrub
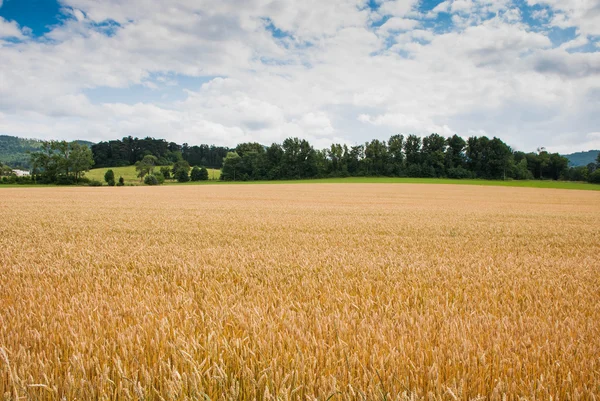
[95,183]
[179,166]
[121,182]
[109,177]
[203,174]
[24,180]
[199,174]
[595,177]
[160,178]
[459,173]
[182,175]
[65,180]
[414,170]
[195,174]
[166,172]
[151,180]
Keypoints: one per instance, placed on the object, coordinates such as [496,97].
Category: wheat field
[299,292]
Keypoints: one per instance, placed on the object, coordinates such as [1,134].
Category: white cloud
[399,24]
[398,8]
[9,29]
[582,14]
[329,77]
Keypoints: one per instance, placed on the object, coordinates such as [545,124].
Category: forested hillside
[128,151]
[582,158]
[14,151]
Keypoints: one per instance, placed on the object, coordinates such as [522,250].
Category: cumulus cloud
[581,14]
[335,71]
[399,24]
[9,29]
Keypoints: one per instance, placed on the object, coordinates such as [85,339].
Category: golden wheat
[299,292]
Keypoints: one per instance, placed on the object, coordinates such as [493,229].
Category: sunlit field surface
[299,292]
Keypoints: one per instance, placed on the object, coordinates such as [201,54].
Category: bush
[182,176]
[459,173]
[151,180]
[414,170]
[195,174]
[166,172]
[109,177]
[179,166]
[160,178]
[95,183]
[121,182]
[199,174]
[595,177]
[65,180]
[25,180]
[203,174]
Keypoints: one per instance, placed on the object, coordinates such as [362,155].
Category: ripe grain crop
[299,292]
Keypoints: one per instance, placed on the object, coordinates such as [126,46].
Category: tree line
[129,150]
[61,162]
[433,156]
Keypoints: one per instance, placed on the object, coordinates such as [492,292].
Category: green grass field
[396,180]
[130,175]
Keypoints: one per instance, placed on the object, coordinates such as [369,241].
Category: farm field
[299,292]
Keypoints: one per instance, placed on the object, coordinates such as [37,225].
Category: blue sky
[37,15]
[348,71]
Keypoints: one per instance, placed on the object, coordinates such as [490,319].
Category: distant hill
[582,158]
[13,150]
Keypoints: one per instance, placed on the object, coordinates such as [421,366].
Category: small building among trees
[21,173]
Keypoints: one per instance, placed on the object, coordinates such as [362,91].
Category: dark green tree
[199,174]
[109,177]
[376,158]
[477,156]
[179,166]
[181,175]
[298,160]
[521,172]
[80,159]
[557,166]
[499,157]
[146,166]
[412,150]
[455,152]
[203,174]
[61,159]
[151,180]
[166,172]
[543,160]
[433,154]
[273,157]
[396,155]
[231,167]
